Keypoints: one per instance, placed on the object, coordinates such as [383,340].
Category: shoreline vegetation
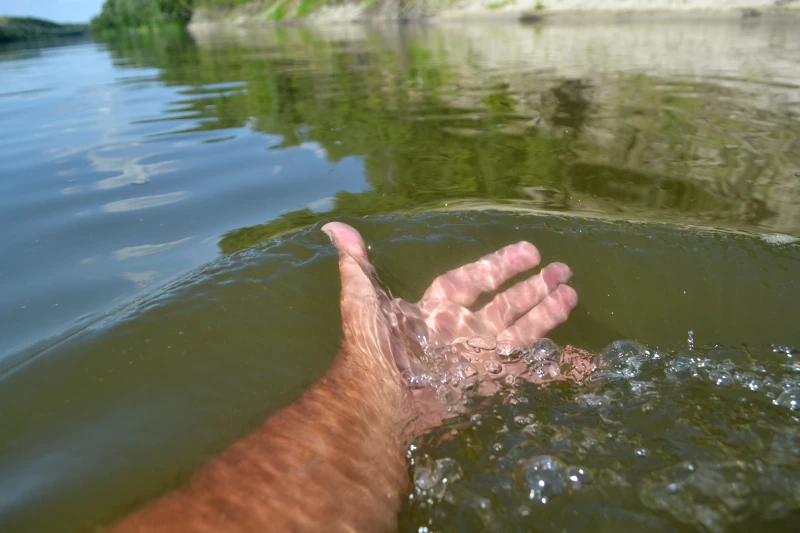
[126,14]
[15,29]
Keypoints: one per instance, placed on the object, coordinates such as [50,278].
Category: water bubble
[624,358]
[595,400]
[465,371]
[449,470]
[789,398]
[545,349]
[640,387]
[545,477]
[713,496]
[470,384]
[493,367]
[578,476]
[545,370]
[778,239]
[482,343]
[433,477]
[509,352]
[720,378]
[449,395]
[426,476]
[523,420]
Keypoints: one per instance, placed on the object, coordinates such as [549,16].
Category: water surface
[154,306]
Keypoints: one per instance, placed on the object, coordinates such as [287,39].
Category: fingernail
[329,233]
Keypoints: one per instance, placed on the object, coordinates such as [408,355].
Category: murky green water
[154,308]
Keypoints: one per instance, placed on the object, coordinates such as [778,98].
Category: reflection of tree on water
[431,131]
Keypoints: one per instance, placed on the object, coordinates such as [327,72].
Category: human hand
[392,335]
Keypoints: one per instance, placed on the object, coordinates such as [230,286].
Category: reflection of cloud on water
[144,202]
[318,150]
[322,205]
[140,278]
[63,152]
[130,169]
[131,252]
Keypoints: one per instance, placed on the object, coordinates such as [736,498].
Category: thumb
[355,270]
[365,306]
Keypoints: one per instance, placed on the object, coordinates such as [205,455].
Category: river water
[164,285]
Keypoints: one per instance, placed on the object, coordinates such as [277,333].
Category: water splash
[481,366]
[703,437]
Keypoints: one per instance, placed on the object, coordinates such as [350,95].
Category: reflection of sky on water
[97,140]
[144,202]
[132,171]
[146,249]
[140,279]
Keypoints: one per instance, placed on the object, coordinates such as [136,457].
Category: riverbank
[14,29]
[324,11]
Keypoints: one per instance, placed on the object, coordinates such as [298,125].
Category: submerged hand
[335,458]
[388,334]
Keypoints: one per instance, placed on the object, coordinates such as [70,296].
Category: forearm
[332,461]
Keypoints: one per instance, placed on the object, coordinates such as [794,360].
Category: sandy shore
[260,11]
[594,6]
[594,10]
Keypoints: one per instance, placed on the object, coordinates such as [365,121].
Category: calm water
[153,306]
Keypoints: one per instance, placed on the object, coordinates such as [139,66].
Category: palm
[394,331]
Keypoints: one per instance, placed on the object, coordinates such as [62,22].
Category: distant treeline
[118,14]
[26,28]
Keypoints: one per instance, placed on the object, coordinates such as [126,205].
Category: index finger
[464,285]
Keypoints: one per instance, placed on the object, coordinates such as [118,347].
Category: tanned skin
[335,459]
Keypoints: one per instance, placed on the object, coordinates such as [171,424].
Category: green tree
[117,14]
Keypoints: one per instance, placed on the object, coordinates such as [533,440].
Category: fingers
[464,285]
[540,320]
[508,306]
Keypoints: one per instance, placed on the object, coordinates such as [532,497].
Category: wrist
[374,390]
